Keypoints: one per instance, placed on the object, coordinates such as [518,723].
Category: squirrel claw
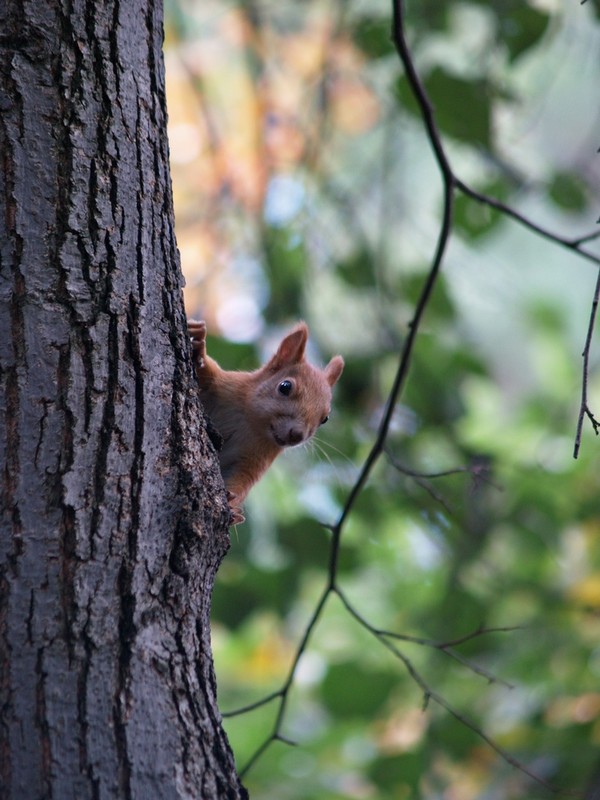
[237,517]
[197,333]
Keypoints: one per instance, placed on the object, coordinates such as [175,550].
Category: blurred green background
[305,187]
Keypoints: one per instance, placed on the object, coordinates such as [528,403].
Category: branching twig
[590,237]
[283,693]
[448,648]
[430,694]
[418,89]
[399,382]
[570,244]
[451,184]
[478,470]
[584,409]
[444,647]
[253,706]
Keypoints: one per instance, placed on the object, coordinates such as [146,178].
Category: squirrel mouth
[279,440]
[291,437]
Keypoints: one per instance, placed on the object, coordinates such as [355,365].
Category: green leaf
[349,690]
[474,219]
[440,306]
[286,260]
[568,191]
[399,770]
[374,37]
[307,543]
[231,355]
[461,107]
[255,590]
[357,270]
[522,28]
[429,15]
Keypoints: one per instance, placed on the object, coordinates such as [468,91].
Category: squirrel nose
[294,436]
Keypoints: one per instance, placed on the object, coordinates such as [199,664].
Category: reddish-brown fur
[256,419]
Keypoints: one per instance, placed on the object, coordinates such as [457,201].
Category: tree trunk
[113,512]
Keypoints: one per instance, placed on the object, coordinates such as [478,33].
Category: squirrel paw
[237,516]
[197,333]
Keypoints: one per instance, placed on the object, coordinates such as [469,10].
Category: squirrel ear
[333,370]
[291,349]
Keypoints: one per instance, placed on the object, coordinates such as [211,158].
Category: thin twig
[413,473]
[570,244]
[283,692]
[479,472]
[476,668]
[478,469]
[590,237]
[431,694]
[584,409]
[420,94]
[445,647]
[451,652]
[399,382]
[253,706]
[450,184]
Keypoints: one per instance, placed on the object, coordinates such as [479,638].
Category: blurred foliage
[305,187]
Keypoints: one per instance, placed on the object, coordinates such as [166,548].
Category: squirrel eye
[285,388]
[324,420]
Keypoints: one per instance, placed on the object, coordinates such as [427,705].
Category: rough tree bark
[113,512]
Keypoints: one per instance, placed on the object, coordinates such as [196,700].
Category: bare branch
[443,647]
[253,706]
[590,237]
[431,694]
[481,631]
[479,469]
[584,409]
[283,692]
[570,244]
[401,44]
[450,184]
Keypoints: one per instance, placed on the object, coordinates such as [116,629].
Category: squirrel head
[293,396]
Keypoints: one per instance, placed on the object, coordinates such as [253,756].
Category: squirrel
[258,414]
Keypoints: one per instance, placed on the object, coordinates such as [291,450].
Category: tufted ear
[291,349]
[333,370]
